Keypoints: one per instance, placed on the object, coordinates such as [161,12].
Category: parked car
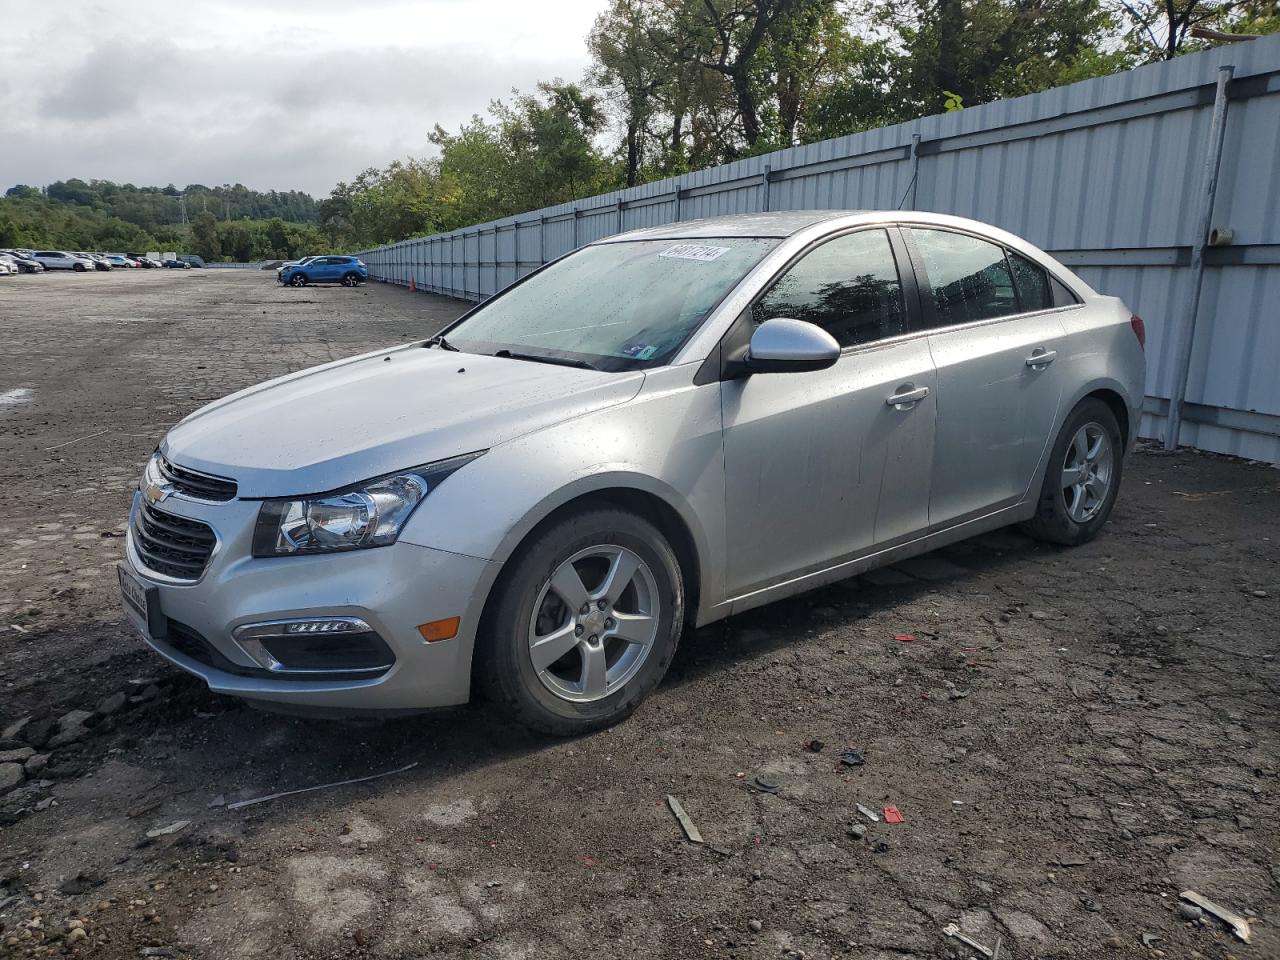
[293,263]
[177,264]
[192,259]
[120,260]
[61,260]
[142,260]
[24,264]
[654,432]
[99,262]
[349,271]
[7,267]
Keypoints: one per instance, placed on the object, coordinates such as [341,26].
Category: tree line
[102,215]
[679,85]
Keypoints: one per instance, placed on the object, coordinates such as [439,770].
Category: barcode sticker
[694,251]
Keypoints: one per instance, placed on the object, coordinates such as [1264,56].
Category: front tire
[1082,479]
[78,267]
[585,621]
[298,280]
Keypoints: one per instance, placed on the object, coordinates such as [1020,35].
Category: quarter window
[1033,283]
[848,286]
[970,277]
[1062,297]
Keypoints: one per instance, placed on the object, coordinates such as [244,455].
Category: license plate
[134,594]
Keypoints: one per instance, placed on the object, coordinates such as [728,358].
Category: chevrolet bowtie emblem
[157,492]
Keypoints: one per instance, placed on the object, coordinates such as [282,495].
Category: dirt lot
[1073,737]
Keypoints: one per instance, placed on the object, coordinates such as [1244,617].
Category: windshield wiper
[442,343]
[538,358]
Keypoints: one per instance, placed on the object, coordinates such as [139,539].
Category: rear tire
[1082,479]
[351,279]
[568,669]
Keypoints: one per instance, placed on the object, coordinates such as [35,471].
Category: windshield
[615,306]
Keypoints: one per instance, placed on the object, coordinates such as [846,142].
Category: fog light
[310,645]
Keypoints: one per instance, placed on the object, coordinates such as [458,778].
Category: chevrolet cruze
[656,431]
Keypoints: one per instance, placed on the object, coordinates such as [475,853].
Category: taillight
[1139,330]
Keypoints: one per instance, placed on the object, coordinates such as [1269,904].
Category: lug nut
[577,631]
[610,623]
[586,608]
[592,639]
[600,604]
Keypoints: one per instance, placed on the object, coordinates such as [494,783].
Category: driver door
[824,466]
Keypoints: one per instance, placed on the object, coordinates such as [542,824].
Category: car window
[970,277]
[1062,297]
[849,286]
[1032,282]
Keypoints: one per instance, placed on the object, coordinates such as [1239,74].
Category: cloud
[289,98]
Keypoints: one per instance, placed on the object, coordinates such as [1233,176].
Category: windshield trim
[608,363]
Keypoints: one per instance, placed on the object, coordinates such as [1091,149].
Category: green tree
[984,50]
[205,236]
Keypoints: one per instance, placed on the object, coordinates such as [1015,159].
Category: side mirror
[783,345]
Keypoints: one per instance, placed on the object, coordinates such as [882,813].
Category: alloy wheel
[1087,472]
[594,623]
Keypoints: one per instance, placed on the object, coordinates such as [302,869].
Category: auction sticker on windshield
[694,251]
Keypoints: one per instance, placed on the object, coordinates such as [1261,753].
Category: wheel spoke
[594,670]
[1072,475]
[1096,487]
[568,585]
[634,627]
[1080,444]
[1078,502]
[1096,448]
[621,570]
[544,651]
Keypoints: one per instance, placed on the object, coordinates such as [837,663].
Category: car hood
[332,426]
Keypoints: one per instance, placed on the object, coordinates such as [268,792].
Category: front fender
[665,443]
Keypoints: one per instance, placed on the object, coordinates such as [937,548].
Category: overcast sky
[272,95]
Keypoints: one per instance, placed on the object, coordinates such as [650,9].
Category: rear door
[821,466]
[995,343]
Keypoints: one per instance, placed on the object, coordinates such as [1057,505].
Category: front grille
[202,486]
[171,545]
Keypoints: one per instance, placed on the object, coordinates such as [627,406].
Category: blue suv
[348,271]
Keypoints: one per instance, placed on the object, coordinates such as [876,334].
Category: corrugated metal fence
[1107,174]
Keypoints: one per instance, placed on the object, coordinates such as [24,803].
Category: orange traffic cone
[412,287]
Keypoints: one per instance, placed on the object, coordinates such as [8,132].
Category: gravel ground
[1073,737]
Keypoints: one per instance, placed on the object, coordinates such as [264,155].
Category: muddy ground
[1072,736]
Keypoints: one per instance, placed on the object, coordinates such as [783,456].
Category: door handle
[1041,358]
[907,397]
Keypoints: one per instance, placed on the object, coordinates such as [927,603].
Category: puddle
[12,398]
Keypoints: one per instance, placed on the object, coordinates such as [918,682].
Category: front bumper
[393,589]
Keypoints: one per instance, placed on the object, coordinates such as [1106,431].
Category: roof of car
[782,223]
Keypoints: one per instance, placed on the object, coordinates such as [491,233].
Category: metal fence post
[915,168]
[677,220]
[575,228]
[767,171]
[1186,330]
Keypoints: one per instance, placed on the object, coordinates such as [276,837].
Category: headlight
[368,515]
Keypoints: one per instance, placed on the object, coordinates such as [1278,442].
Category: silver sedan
[657,431]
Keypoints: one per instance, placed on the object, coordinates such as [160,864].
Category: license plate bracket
[143,601]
